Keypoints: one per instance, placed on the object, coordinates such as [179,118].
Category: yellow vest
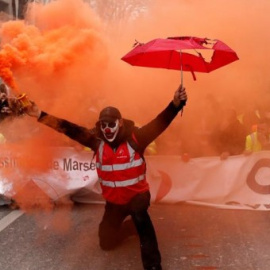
[252,142]
[2,139]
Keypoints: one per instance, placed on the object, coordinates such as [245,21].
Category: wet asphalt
[190,237]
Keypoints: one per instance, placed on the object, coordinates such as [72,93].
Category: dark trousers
[112,229]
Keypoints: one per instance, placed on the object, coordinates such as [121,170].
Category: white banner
[241,182]
[238,182]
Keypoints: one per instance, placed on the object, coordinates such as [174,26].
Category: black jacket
[92,137]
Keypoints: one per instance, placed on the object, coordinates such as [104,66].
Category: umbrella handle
[181,68]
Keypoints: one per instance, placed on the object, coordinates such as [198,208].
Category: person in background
[231,135]
[3,139]
[250,119]
[258,140]
[119,147]
[201,141]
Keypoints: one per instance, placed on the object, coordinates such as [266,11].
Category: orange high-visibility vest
[122,174]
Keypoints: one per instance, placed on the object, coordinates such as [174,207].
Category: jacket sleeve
[82,135]
[149,132]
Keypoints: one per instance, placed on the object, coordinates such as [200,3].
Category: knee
[107,239]
[107,242]
[104,245]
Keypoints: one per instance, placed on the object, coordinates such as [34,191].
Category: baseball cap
[109,114]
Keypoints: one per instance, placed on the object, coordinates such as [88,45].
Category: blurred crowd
[216,130]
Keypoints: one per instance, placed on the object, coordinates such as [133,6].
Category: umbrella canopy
[181,53]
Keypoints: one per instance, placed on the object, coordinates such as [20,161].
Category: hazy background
[66,56]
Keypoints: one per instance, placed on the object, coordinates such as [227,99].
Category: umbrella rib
[170,59]
[154,54]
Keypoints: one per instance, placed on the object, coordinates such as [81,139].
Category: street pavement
[191,237]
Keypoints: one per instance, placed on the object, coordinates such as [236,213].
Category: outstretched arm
[80,134]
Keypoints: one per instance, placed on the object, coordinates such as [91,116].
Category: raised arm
[149,132]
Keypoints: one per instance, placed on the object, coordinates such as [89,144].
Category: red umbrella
[181,53]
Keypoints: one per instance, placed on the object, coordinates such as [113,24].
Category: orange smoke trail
[57,49]
[58,57]
[6,70]
[14,51]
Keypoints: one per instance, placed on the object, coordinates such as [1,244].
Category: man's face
[110,129]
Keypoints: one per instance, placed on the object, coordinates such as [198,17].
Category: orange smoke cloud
[57,50]
[242,85]
[57,56]
[67,59]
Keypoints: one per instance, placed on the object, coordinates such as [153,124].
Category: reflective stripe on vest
[124,183]
[120,167]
